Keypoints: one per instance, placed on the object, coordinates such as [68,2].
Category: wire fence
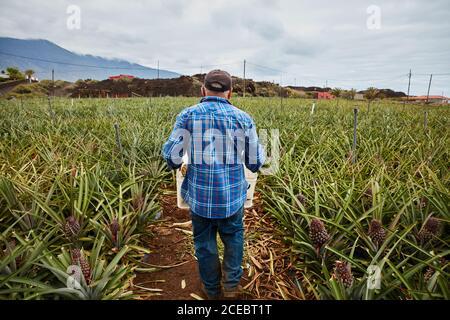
[255,71]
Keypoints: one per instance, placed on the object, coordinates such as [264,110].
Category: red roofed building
[121,76]
[323,95]
[431,99]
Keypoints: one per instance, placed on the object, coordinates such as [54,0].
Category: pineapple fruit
[302,199]
[318,233]
[79,259]
[376,232]
[114,228]
[72,228]
[431,228]
[343,273]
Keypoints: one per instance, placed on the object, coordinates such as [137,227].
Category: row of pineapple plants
[390,210]
[72,202]
[71,195]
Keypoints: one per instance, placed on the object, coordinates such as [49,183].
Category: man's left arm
[254,152]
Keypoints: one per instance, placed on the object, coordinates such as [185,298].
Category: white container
[251,179]
[180,178]
[249,176]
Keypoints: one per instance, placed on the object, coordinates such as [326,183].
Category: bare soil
[267,271]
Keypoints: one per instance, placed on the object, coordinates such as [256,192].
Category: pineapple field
[81,183]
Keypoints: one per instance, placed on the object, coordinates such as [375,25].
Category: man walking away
[219,140]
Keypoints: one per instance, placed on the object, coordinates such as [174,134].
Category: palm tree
[370,94]
[352,93]
[29,73]
[337,92]
[14,73]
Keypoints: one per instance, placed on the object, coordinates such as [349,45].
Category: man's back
[219,138]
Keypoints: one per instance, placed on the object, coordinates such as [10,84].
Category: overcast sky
[309,41]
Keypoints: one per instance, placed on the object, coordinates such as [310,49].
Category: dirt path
[267,273]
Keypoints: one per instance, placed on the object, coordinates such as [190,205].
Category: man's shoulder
[186,112]
[196,108]
[229,110]
[244,116]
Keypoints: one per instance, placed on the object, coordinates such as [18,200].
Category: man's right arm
[177,143]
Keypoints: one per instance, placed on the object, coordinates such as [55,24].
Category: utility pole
[409,84]
[429,86]
[281,90]
[326,84]
[158,70]
[243,90]
[53,82]
[295,82]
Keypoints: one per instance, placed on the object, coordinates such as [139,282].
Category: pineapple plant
[301,199]
[114,228]
[78,259]
[430,229]
[138,202]
[73,171]
[422,203]
[75,255]
[343,272]
[72,228]
[98,190]
[85,269]
[428,274]
[376,232]
[368,193]
[318,233]
[430,271]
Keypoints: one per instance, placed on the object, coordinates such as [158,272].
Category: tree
[371,94]
[14,73]
[349,94]
[352,93]
[29,73]
[337,92]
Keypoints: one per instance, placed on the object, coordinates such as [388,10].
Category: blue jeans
[231,231]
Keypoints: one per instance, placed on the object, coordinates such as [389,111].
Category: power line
[428,74]
[264,67]
[355,80]
[318,78]
[72,64]
[211,66]
[203,66]
[107,67]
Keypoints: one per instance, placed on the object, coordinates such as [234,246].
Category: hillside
[41,55]
[188,86]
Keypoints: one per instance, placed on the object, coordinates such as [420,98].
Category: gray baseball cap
[218,80]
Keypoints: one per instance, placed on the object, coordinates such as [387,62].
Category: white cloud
[311,41]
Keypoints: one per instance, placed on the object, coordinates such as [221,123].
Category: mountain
[42,56]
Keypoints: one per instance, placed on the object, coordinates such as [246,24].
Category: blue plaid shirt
[214,185]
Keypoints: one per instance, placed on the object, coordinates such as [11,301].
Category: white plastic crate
[249,176]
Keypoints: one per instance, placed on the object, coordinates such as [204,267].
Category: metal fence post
[355,124]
